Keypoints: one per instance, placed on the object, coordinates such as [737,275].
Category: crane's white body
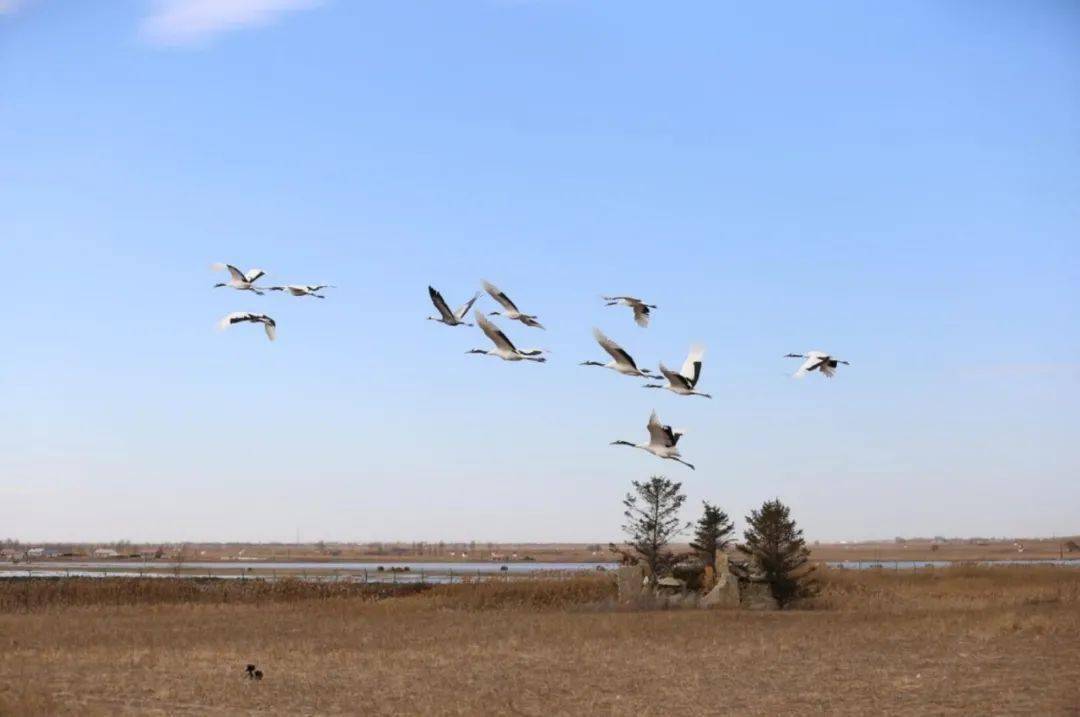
[446,316]
[237,317]
[684,383]
[662,441]
[504,348]
[621,362]
[510,310]
[307,290]
[641,309]
[817,361]
[239,280]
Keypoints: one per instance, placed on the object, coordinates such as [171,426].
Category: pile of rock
[725,590]
[721,588]
[755,593]
[637,589]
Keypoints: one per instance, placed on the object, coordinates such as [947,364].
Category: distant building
[35,553]
[106,553]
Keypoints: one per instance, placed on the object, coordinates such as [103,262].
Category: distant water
[369,572]
[405,572]
[523,567]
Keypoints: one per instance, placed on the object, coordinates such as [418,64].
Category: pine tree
[652,514]
[776,545]
[712,532]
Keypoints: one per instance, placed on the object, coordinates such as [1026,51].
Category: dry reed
[962,587]
[32,594]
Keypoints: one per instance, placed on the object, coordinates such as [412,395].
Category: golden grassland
[961,640]
[57,593]
[956,551]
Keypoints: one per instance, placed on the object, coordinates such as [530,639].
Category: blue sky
[895,184]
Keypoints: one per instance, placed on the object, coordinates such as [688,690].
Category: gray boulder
[631,582]
[724,594]
[725,588]
[757,596]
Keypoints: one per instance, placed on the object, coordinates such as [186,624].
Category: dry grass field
[963,640]
[957,551]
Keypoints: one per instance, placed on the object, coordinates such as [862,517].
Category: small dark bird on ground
[252,673]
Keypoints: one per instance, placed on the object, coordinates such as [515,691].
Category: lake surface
[362,572]
[489,567]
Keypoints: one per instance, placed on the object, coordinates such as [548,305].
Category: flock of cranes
[246,282]
[663,439]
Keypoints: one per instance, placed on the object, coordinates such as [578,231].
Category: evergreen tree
[776,545]
[652,515]
[712,532]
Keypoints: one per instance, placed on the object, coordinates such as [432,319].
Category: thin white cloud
[8,7]
[188,22]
